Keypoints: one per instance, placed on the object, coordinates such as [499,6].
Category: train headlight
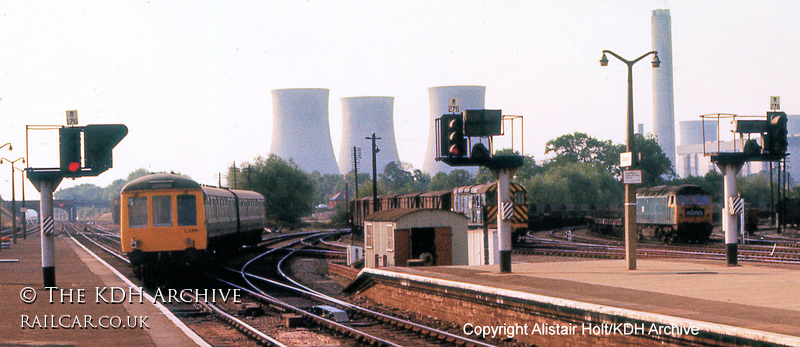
[189,242]
[135,243]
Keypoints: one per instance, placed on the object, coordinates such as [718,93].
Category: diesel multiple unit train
[477,202]
[668,213]
[170,220]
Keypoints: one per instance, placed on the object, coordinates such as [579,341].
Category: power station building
[300,129]
[663,98]
[447,100]
[691,156]
[362,116]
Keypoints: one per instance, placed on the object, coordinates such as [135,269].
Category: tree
[456,178]
[288,191]
[754,189]
[574,184]
[350,177]
[325,186]
[656,167]
[136,174]
[401,178]
[576,148]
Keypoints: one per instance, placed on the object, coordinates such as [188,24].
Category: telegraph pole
[375,151]
[356,158]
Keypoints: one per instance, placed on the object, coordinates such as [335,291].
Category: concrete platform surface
[757,297]
[72,319]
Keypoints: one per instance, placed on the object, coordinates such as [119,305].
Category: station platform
[80,320]
[747,304]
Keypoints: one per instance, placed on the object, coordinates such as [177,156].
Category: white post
[731,227]
[504,225]
[47,231]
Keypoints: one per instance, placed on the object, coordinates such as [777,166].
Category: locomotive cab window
[187,210]
[702,200]
[519,199]
[137,212]
[685,199]
[162,210]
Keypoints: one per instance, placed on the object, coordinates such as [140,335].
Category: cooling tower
[362,116]
[692,132]
[663,101]
[793,125]
[300,129]
[468,98]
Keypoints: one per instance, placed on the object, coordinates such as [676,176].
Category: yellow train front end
[693,215]
[162,221]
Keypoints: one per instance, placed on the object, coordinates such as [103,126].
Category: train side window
[162,210]
[137,212]
[187,210]
[671,201]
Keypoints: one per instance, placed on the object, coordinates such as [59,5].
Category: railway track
[279,288]
[284,300]
[224,329]
[561,244]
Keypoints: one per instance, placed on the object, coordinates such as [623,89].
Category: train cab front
[694,217]
[163,228]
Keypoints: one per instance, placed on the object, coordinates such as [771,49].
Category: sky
[192,79]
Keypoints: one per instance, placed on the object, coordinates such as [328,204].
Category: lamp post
[13,198]
[24,209]
[631,233]
[1,200]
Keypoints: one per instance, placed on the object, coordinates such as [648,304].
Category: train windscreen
[137,212]
[694,200]
[702,200]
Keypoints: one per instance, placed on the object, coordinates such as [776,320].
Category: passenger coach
[171,219]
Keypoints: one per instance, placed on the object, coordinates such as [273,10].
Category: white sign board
[72,117]
[632,177]
[453,105]
[774,102]
[626,159]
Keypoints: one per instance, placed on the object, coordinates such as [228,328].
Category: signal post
[773,132]
[99,140]
[456,131]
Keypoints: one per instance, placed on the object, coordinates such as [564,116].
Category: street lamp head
[656,62]
[604,60]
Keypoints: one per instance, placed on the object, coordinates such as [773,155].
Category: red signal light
[74,167]
[454,150]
